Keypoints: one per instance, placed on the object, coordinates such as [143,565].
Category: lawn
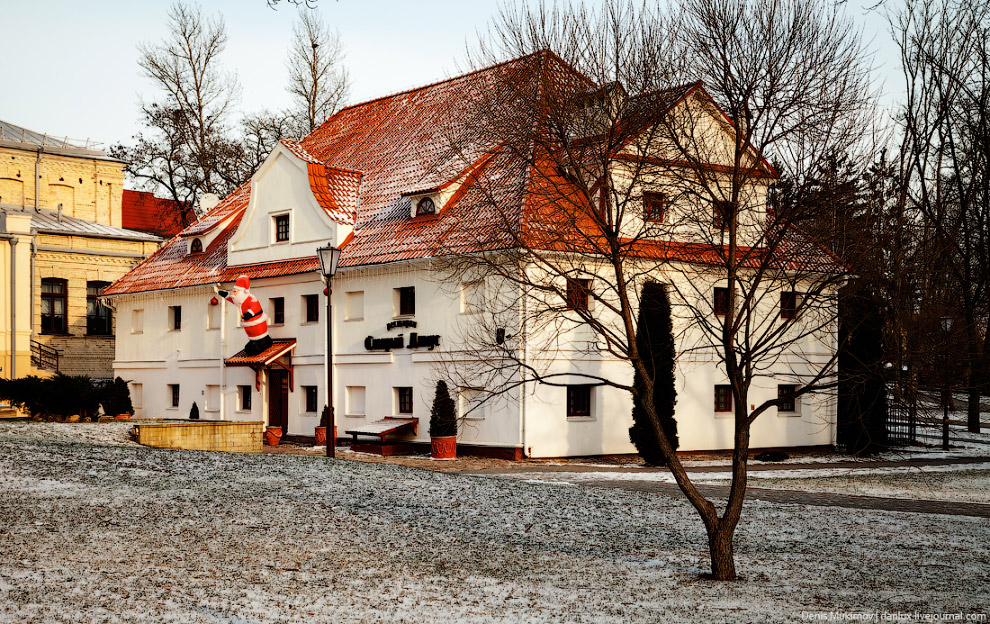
[97,529]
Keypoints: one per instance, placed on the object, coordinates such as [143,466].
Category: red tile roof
[365,161]
[280,346]
[146,213]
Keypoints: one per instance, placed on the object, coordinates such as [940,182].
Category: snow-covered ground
[113,532]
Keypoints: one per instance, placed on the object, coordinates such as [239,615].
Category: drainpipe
[37,179]
[12,241]
[223,367]
[527,452]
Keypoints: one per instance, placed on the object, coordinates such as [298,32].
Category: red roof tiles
[146,213]
[364,162]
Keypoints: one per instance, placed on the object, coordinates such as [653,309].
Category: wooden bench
[380,429]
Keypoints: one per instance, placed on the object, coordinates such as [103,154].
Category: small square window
[310,395]
[173,393]
[579,401]
[175,318]
[281,228]
[354,305]
[137,321]
[721,214]
[723,398]
[277,306]
[788,402]
[788,304]
[354,397]
[577,293]
[721,302]
[311,306]
[472,403]
[406,301]
[404,400]
[212,403]
[654,207]
[244,394]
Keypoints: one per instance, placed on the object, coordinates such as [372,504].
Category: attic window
[425,206]
[196,246]
[281,228]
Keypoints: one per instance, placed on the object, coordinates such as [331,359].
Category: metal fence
[913,423]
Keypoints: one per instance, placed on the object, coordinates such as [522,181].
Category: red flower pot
[273,435]
[444,447]
[321,436]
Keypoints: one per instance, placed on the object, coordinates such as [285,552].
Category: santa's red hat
[242,282]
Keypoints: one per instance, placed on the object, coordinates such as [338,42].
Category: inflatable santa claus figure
[253,318]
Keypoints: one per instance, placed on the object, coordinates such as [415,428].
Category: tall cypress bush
[443,418]
[862,404]
[655,342]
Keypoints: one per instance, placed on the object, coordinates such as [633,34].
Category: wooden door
[278,399]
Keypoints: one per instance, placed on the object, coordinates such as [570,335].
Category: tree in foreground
[945,54]
[642,141]
[193,144]
[655,343]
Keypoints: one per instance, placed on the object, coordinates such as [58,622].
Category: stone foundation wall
[231,437]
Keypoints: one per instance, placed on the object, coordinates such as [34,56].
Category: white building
[356,183]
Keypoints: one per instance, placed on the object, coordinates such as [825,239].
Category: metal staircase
[44,356]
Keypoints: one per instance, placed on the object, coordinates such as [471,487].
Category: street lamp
[946,322]
[329,256]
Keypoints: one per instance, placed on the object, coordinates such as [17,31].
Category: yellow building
[61,242]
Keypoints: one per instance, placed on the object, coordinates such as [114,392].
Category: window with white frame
[354,397]
[280,228]
[175,318]
[786,393]
[579,401]
[311,308]
[137,321]
[310,401]
[472,403]
[276,305]
[244,398]
[404,301]
[723,399]
[403,400]
[472,297]
[213,315]
[212,402]
[137,395]
[354,305]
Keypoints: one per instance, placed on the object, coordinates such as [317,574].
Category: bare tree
[189,149]
[945,53]
[636,142]
[317,79]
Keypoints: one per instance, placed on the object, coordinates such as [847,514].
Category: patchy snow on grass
[113,532]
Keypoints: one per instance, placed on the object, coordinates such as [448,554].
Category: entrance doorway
[278,399]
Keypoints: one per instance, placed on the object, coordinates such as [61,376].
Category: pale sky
[74,62]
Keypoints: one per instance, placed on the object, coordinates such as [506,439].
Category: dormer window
[425,206]
[196,246]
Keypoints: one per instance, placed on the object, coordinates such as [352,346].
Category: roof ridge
[445,80]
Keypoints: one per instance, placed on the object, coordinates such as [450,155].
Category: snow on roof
[366,160]
[47,221]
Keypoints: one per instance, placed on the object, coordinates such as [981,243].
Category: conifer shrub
[655,343]
[194,412]
[443,417]
[116,398]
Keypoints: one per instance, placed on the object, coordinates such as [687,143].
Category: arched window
[197,246]
[425,206]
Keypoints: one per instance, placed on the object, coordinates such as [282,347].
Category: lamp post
[329,256]
[946,322]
